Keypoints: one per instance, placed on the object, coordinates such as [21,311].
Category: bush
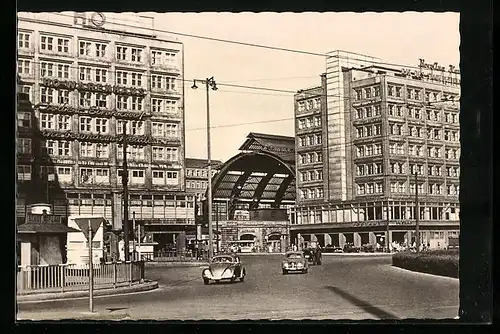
[439,262]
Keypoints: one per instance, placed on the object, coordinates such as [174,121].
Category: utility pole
[133,232]
[417,214]
[209,82]
[209,178]
[387,244]
[217,225]
[125,195]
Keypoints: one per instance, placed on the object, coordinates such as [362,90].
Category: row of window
[367,92]
[101,100]
[400,187]
[369,169]
[63,45]
[434,170]
[367,112]
[430,189]
[416,94]
[101,125]
[310,158]
[417,150]
[368,130]
[312,175]
[413,112]
[62,148]
[310,140]
[397,129]
[97,175]
[370,188]
[400,168]
[368,150]
[417,113]
[199,172]
[197,184]
[53,70]
[311,193]
[309,122]
[311,104]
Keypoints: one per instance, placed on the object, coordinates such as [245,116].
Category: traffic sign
[83,224]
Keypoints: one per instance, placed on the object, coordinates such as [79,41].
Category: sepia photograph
[238,166]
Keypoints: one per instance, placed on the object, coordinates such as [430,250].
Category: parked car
[368,248]
[294,261]
[227,267]
[349,248]
[332,249]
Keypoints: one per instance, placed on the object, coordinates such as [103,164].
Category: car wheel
[285,272]
[205,281]
[242,278]
[305,271]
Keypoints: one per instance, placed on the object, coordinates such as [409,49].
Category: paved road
[343,287]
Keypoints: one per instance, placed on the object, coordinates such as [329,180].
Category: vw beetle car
[294,262]
[227,267]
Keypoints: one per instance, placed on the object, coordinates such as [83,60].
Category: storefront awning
[44,228]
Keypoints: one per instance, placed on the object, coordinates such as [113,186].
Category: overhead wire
[184,80]
[372,61]
[406,133]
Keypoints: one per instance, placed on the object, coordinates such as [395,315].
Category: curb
[359,254]
[174,264]
[79,294]
[424,273]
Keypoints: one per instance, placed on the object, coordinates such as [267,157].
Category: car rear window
[294,256]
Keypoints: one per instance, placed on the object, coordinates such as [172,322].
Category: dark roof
[282,146]
[201,163]
[44,228]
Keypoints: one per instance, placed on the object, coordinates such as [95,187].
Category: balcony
[41,219]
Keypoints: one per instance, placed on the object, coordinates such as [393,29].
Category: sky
[400,38]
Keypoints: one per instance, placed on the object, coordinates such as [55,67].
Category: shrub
[440,262]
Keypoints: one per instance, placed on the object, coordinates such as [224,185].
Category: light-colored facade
[89,77]
[358,152]
[197,173]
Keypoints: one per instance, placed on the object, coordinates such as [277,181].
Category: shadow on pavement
[378,312]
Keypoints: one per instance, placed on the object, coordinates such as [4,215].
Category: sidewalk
[153,264]
[98,291]
[358,254]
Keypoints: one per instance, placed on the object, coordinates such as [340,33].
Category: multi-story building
[366,139]
[197,173]
[91,78]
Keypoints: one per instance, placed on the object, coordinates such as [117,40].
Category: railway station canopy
[262,173]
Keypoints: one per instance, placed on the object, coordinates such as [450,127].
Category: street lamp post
[417,215]
[126,229]
[209,83]
[125,196]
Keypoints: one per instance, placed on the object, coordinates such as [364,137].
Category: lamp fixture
[194,85]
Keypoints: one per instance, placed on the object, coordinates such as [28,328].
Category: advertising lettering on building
[433,72]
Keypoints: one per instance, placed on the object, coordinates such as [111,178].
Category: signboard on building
[433,72]
[94,19]
[119,22]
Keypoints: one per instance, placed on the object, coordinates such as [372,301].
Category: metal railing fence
[66,277]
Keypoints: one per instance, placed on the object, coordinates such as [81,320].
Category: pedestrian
[206,249]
